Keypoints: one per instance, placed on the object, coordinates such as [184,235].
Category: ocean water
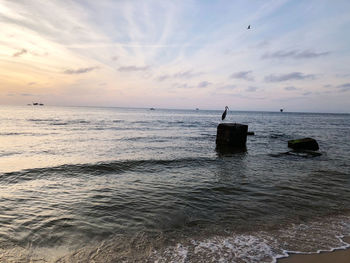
[85,184]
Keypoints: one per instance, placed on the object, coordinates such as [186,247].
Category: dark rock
[250,133]
[231,135]
[303,144]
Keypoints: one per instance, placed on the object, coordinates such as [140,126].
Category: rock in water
[233,135]
[303,144]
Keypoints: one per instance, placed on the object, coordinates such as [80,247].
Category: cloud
[31,83]
[180,75]
[163,77]
[263,43]
[186,74]
[344,87]
[181,86]
[307,93]
[229,87]
[114,58]
[133,68]
[289,88]
[289,76]
[251,89]
[79,70]
[203,84]
[295,54]
[310,54]
[246,75]
[19,53]
[343,75]
[21,94]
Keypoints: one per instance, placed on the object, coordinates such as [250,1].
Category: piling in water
[231,135]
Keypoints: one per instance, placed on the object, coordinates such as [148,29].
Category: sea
[93,184]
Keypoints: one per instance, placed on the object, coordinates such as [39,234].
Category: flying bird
[224,114]
[248,27]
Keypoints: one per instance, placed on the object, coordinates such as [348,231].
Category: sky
[177,54]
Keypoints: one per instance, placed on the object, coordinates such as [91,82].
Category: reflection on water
[110,184]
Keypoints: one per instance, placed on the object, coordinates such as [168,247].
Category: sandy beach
[337,256]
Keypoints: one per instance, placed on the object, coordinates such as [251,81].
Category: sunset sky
[177,54]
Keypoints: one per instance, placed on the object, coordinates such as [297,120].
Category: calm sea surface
[80,184]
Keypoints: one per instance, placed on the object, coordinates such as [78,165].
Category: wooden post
[231,135]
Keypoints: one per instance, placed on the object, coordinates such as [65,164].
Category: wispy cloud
[180,75]
[186,74]
[344,87]
[181,86]
[165,43]
[289,76]
[79,70]
[251,89]
[20,53]
[204,84]
[228,87]
[133,68]
[290,88]
[246,75]
[346,75]
[295,54]
[163,77]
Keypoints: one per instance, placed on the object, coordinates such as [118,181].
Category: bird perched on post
[224,114]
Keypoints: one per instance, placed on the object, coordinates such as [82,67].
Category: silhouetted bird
[224,114]
[248,27]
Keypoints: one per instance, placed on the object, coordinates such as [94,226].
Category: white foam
[173,254]
[246,248]
[323,234]
[238,248]
[263,246]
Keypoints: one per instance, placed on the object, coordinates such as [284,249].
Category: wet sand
[337,256]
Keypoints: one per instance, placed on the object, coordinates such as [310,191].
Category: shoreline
[341,255]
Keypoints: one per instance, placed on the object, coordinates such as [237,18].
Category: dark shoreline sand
[336,256]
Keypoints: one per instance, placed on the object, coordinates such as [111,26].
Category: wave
[53,121]
[43,120]
[17,133]
[4,154]
[266,246]
[101,168]
[319,235]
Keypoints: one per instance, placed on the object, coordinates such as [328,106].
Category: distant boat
[152,109]
[41,104]
[35,103]
[197,109]
[281,110]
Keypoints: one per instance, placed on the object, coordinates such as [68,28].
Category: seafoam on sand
[262,246]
